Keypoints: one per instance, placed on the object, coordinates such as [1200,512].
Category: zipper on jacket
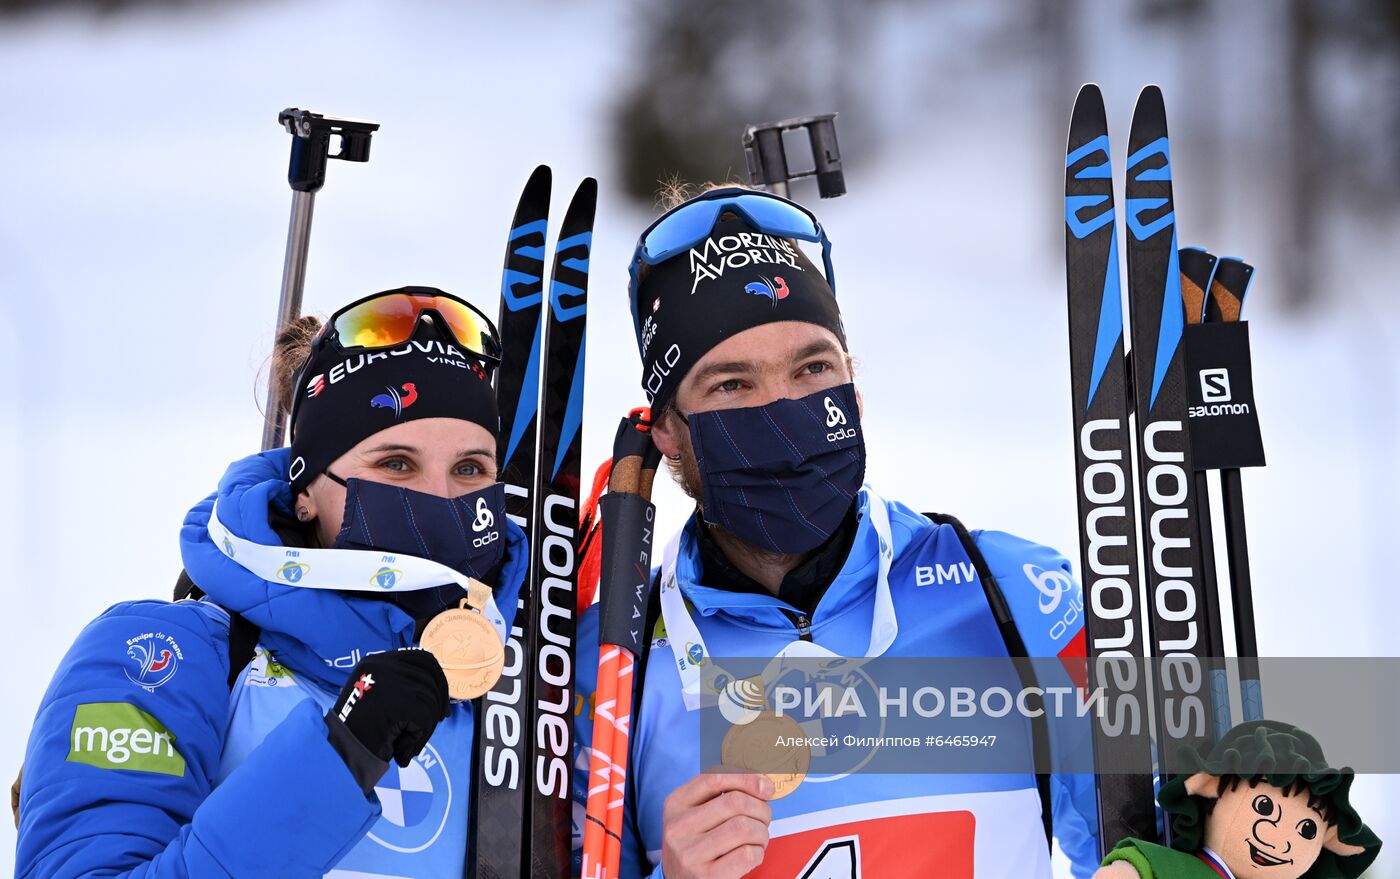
[802,623]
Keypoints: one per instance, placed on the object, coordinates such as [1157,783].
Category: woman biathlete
[374,568]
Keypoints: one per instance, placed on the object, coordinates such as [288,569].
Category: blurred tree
[708,69]
[1337,147]
[104,6]
[1343,144]
[1360,135]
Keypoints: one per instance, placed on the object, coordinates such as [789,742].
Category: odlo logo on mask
[484,519]
[835,417]
[781,476]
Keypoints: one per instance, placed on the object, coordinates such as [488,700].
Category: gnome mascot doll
[1263,805]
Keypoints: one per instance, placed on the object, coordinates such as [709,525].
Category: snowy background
[143,212]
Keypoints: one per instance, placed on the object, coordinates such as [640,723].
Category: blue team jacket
[969,825]
[132,768]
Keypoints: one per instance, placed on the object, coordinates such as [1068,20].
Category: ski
[1103,461]
[1176,609]
[498,802]
[1197,272]
[553,576]
[1224,304]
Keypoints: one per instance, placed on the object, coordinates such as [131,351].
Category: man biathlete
[745,362]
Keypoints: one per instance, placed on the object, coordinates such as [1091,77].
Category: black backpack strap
[1015,647]
[242,634]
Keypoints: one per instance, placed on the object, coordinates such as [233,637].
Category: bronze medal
[466,645]
[770,744]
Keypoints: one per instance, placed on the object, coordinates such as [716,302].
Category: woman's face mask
[465,533]
[781,476]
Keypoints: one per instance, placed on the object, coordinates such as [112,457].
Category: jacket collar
[854,579]
[317,633]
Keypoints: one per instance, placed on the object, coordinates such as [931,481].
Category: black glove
[389,707]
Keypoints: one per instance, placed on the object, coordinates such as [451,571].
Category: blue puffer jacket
[141,762]
[982,824]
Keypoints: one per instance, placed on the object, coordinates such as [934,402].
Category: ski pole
[1198,268]
[766,153]
[628,518]
[311,148]
[1224,304]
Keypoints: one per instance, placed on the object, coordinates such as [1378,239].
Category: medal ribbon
[682,631]
[345,570]
[1215,863]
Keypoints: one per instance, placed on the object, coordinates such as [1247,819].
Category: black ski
[1103,459]
[554,572]
[498,803]
[1176,609]
[1197,272]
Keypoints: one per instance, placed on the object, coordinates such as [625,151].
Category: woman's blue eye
[396,464]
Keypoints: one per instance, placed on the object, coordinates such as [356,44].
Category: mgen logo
[118,735]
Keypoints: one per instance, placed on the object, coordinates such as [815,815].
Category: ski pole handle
[627,512]
[767,156]
[312,135]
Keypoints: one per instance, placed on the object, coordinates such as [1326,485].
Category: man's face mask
[781,476]
[465,533]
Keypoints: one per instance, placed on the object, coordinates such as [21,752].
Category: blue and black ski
[550,633]
[1176,604]
[499,803]
[1103,467]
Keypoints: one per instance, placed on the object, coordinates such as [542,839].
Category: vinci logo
[392,399]
[118,735]
[316,385]
[775,289]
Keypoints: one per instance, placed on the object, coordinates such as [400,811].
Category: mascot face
[1261,832]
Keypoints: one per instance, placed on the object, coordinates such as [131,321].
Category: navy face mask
[465,533]
[784,475]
